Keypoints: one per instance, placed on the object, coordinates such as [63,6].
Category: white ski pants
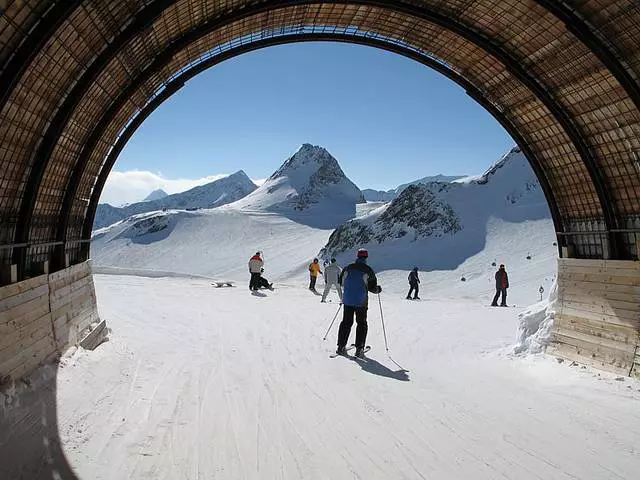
[327,289]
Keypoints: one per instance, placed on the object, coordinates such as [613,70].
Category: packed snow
[204,382]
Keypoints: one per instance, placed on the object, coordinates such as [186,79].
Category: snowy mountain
[449,229]
[387,196]
[309,187]
[214,194]
[158,194]
[439,225]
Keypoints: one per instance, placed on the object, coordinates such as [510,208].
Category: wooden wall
[597,319]
[43,316]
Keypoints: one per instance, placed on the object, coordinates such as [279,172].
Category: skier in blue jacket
[357,280]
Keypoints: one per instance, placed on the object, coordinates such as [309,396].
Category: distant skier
[332,278]
[414,281]
[255,266]
[357,279]
[502,283]
[314,271]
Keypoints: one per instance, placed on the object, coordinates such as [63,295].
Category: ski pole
[384,331]
[334,319]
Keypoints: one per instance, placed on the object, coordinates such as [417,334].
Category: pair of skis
[349,349]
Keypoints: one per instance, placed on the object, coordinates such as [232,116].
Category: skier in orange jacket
[314,271]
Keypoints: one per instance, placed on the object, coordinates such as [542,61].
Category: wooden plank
[20,287]
[69,281]
[24,320]
[80,269]
[95,337]
[619,264]
[31,365]
[597,286]
[76,304]
[594,293]
[84,292]
[600,308]
[604,272]
[596,329]
[614,279]
[68,289]
[614,308]
[21,335]
[633,268]
[596,344]
[42,347]
[595,349]
[569,352]
[630,304]
[24,311]
[599,317]
[25,344]
[16,300]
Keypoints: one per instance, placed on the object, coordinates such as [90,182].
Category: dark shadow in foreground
[372,366]
[30,445]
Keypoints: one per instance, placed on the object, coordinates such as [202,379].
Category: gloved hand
[378,289]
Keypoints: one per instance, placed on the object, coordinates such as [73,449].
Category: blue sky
[388,120]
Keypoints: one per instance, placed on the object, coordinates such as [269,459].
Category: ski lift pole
[332,321]
[384,331]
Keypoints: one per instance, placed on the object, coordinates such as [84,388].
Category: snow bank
[536,323]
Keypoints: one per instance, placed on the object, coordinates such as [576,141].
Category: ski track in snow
[200,383]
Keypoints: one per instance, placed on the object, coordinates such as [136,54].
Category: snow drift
[535,325]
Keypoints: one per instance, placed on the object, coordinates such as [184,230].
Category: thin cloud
[133,186]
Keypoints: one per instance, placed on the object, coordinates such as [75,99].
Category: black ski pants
[312,282]
[254,282]
[347,322]
[412,287]
[503,292]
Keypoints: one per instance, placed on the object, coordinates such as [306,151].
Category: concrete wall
[597,318]
[43,316]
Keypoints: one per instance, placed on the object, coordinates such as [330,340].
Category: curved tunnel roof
[77,77]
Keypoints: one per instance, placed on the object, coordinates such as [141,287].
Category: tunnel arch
[78,76]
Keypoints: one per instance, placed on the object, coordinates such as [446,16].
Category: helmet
[333,260]
[415,269]
[258,253]
[315,260]
[362,253]
[501,265]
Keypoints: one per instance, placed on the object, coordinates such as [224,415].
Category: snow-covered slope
[214,194]
[387,196]
[439,225]
[309,187]
[158,194]
[216,243]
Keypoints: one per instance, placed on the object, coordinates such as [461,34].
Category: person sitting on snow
[262,282]
[331,278]
[413,284]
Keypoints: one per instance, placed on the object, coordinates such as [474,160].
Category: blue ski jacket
[357,280]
